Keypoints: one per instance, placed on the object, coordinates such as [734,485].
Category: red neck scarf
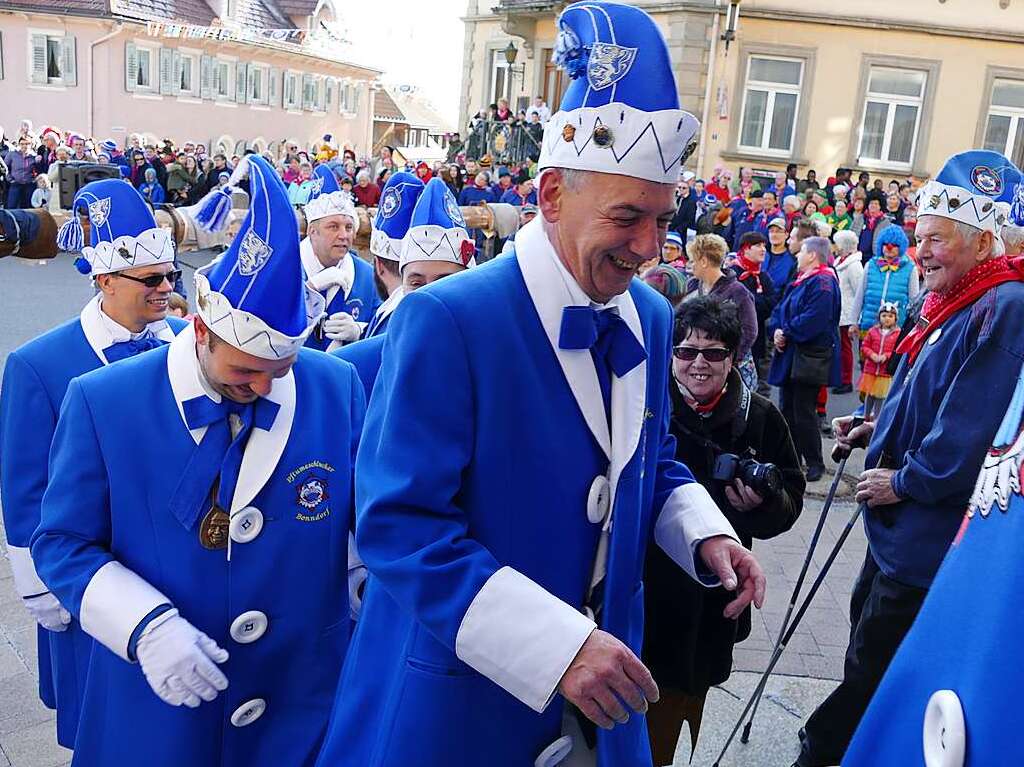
[750,269]
[706,408]
[968,289]
[819,269]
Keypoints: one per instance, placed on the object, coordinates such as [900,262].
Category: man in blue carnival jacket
[197,518]
[131,261]
[518,438]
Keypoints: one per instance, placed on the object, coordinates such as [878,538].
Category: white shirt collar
[102,331]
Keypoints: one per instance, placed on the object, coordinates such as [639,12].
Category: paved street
[37,295]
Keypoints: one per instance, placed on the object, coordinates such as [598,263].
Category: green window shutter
[131,66]
[69,61]
[38,74]
[167,71]
[206,77]
[241,96]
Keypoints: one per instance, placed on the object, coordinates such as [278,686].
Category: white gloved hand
[178,660]
[47,611]
[342,328]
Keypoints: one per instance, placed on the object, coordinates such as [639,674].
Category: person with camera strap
[738,446]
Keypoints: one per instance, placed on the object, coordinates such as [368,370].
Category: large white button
[248,712]
[555,754]
[246,524]
[248,627]
[945,737]
[599,501]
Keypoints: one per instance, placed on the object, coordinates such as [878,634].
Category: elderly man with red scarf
[947,399]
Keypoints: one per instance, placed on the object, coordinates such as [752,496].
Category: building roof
[69,7]
[297,8]
[385,108]
[417,110]
[188,11]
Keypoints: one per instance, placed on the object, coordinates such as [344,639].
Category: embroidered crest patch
[390,202]
[311,483]
[452,208]
[317,183]
[253,254]
[987,180]
[99,211]
[608,63]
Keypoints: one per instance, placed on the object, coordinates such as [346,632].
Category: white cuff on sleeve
[26,580]
[114,603]
[688,517]
[521,637]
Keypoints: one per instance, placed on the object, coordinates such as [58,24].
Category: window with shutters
[292,96]
[52,59]
[223,80]
[147,74]
[257,86]
[186,73]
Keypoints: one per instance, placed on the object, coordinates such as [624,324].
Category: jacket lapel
[550,296]
[629,399]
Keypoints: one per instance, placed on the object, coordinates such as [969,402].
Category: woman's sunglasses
[154,280]
[689,353]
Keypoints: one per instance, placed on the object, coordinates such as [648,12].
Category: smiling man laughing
[520,408]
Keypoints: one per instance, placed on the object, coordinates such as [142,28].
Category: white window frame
[497,62]
[262,72]
[1016,115]
[195,56]
[769,110]
[231,62]
[153,50]
[295,105]
[50,34]
[893,101]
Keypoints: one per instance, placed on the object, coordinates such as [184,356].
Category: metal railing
[503,141]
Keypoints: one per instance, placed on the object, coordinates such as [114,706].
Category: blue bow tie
[604,332]
[125,349]
[202,411]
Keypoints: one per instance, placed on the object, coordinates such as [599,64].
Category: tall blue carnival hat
[255,296]
[978,188]
[123,233]
[621,112]
[328,199]
[397,200]
[437,230]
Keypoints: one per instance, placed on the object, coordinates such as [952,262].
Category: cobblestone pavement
[36,297]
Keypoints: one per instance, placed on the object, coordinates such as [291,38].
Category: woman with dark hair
[805,332]
[687,640]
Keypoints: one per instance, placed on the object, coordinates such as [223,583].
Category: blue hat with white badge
[975,188]
[123,234]
[620,114]
[255,296]
[397,200]
[437,230]
[328,199]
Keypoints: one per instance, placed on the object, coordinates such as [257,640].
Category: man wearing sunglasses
[131,262]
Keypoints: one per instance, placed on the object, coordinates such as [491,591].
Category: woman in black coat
[687,640]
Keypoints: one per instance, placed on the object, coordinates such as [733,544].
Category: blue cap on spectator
[108,146]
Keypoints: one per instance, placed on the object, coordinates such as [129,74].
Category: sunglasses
[155,280]
[689,353]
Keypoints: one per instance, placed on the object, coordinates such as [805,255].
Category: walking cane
[745,737]
[787,630]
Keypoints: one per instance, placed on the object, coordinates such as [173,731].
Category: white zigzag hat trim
[386,247]
[246,331]
[153,246]
[332,204]
[963,205]
[431,242]
[618,138]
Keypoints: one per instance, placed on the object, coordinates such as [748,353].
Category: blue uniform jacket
[361,302]
[482,443]
[808,315]
[964,638]
[112,549]
[781,267]
[365,355]
[36,377]
[935,426]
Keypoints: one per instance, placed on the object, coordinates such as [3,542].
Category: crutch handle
[842,451]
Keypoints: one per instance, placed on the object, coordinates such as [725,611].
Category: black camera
[765,479]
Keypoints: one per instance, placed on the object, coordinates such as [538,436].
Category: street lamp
[511,53]
[732,21]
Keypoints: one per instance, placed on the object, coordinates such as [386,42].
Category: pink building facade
[160,68]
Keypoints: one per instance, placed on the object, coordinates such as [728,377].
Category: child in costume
[876,349]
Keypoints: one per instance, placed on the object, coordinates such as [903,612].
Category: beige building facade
[892,88]
[162,68]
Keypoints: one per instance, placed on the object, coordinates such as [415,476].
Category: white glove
[178,659]
[47,611]
[356,583]
[342,328]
